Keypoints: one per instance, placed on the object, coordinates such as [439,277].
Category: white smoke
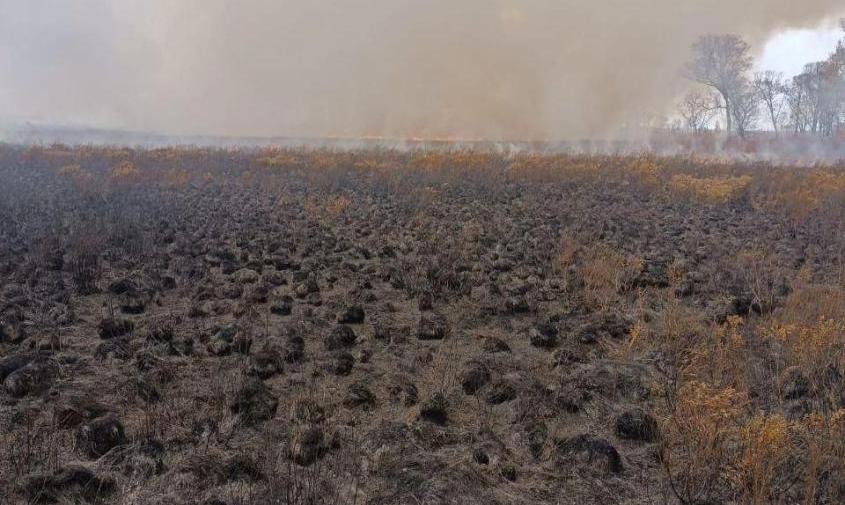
[504,69]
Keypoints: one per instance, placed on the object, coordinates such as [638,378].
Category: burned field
[263,327]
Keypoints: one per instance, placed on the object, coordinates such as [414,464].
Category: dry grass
[710,189]
[606,274]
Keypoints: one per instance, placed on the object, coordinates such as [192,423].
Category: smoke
[500,69]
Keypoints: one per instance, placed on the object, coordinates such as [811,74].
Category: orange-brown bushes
[764,447]
[282,160]
[83,181]
[714,450]
[125,172]
[821,456]
[699,435]
[815,348]
[796,191]
[709,189]
[808,332]
[802,192]
[731,431]
[646,170]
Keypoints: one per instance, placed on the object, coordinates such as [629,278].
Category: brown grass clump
[566,259]
[327,210]
[125,171]
[710,189]
[606,274]
[721,357]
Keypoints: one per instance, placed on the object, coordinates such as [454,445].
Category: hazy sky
[528,69]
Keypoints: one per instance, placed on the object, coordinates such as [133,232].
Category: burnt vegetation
[190,326]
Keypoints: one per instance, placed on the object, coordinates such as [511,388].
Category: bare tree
[698,108]
[821,89]
[816,97]
[771,91]
[836,74]
[796,100]
[745,110]
[722,63]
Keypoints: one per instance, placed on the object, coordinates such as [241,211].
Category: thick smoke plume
[502,69]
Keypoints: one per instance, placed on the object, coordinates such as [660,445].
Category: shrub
[764,447]
[710,189]
[607,273]
[699,436]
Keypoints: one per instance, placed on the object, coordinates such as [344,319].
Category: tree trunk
[774,119]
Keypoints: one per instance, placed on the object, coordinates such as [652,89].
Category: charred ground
[283,326]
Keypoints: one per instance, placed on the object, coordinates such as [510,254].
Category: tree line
[812,102]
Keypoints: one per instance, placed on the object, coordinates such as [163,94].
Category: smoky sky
[504,69]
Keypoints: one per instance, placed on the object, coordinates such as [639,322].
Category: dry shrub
[809,331]
[170,154]
[566,259]
[762,276]
[470,240]
[440,375]
[801,194]
[336,206]
[206,179]
[722,439]
[764,447]
[715,448]
[710,189]
[821,449]
[699,436]
[471,232]
[677,331]
[326,209]
[607,273]
[284,159]
[334,479]
[56,151]
[83,181]
[816,349]
[70,170]
[808,303]
[645,170]
[722,357]
[32,448]
[637,341]
[176,178]
[125,172]
[419,200]
[449,164]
